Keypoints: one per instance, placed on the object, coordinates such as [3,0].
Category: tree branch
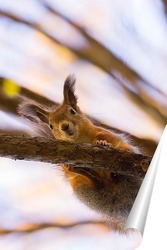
[76,154]
[30,228]
[105,60]
[10,104]
[165,5]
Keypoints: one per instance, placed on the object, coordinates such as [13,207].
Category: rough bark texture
[78,154]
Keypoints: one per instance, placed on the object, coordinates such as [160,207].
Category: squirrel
[109,193]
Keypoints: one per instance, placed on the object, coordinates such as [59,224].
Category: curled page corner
[138,217]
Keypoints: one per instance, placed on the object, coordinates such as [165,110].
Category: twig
[30,228]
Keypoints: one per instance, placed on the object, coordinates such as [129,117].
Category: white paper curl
[149,212]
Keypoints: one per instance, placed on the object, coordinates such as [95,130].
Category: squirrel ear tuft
[69,88]
[33,112]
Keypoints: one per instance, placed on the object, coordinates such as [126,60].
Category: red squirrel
[109,193]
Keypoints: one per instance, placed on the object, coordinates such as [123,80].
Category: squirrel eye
[72,111]
[51,126]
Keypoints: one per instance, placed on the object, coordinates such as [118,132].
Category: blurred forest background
[118,51]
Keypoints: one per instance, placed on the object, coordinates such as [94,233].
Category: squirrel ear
[69,89]
[33,112]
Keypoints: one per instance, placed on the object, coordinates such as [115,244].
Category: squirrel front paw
[104,143]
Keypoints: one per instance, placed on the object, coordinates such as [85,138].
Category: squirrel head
[63,121]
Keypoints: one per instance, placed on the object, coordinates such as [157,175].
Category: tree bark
[76,154]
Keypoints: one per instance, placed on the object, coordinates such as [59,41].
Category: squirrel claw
[104,143]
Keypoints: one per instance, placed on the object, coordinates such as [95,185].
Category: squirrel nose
[64,126]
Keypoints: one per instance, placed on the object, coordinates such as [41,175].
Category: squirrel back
[109,193]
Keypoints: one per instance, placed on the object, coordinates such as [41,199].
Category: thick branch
[78,154]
